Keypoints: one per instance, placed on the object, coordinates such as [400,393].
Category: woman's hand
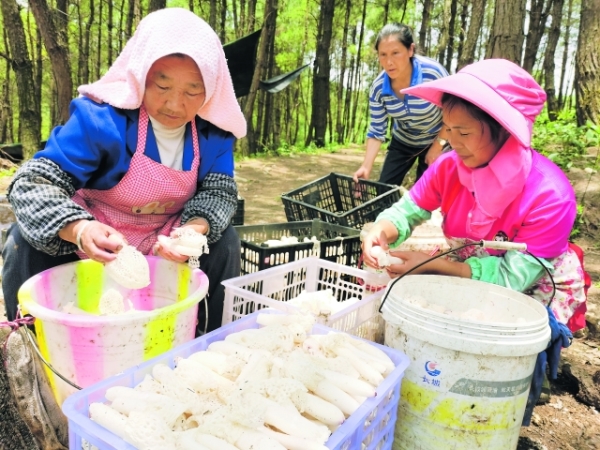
[199,225]
[411,259]
[438,266]
[380,235]
[98,241]
[433,153]
[362,172]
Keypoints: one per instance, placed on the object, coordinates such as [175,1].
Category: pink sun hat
[504,90]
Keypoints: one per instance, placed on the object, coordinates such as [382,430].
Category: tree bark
[29,114]
[549,66]
[85,50]
[58,52]
[270,18]
[6,120]
[468,54]
[506,39]
[444,32]
[212,15]
[587,67]
[425,19]
[563,67]
[99,40]
[463,30]
[537,27]
[155,5]
[339,123]
[357,71]
[451,28]
[321,72]
[133,18]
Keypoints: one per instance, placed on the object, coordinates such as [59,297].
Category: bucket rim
[466,324]
[43,313]
[472,345]
[517,296]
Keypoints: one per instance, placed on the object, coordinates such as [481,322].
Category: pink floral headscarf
[162,33]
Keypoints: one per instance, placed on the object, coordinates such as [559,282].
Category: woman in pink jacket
[492,186]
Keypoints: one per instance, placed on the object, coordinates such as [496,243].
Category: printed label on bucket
[482,388]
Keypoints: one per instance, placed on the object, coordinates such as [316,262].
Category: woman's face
[394,57]
[470,138]
[174,90]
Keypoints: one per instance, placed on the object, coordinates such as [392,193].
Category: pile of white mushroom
[275,387]
[321,303]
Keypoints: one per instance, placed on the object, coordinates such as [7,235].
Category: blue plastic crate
[371,427]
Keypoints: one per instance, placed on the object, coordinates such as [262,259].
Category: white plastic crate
[272,288]
[370,427]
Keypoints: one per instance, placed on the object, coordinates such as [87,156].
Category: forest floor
[571,419]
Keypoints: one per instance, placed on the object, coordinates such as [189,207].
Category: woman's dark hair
[402,32]
[497,131]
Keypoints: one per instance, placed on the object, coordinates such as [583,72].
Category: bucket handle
[22,322]
[498,245]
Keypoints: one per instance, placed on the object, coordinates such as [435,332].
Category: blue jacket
[97,143]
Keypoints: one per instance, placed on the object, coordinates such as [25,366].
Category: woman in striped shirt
[416,122]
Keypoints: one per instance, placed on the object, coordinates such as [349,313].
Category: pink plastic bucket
[89,348]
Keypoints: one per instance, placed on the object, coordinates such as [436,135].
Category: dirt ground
[571,419]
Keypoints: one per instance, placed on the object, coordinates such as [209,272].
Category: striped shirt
[416,122]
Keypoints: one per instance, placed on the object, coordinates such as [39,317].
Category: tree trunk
[133,17]
[85,50]
[155,5]
[463,30]
[468,54]
[425,19]
[29,114]
[251,16]
[553,36]
[222,27]
[339,124]
[99,40]
[6,124]
[451,28]
[348,100]
[120,31]
[270,18]
[506,39]
[320,97]
[537,27]
[587,68]
[356,91]
[109,36]
[563,67]
[386,10]
[212,14]
[444,32]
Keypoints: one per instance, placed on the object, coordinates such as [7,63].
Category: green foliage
[286,149]
[562,140]
[8,172]
[579,222]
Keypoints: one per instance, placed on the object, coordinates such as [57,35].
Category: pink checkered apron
[148,200]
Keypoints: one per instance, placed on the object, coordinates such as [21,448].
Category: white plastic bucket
[468,381]
[89,348]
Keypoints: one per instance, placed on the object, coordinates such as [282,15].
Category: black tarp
[241,59]
[280,82]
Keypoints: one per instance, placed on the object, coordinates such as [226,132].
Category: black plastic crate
[238,217]
[337,244]
[339,199]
